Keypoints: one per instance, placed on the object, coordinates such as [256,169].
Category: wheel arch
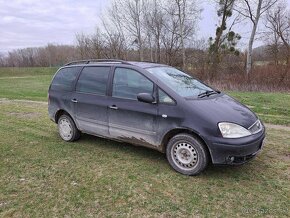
[173,132]
[61,112]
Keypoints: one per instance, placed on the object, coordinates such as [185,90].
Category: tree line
[166,31]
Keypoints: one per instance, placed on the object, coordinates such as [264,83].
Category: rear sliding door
[91,100]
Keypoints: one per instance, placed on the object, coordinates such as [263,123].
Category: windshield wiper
[208,93]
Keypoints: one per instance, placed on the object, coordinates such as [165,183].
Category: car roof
[92,62]
[145,65]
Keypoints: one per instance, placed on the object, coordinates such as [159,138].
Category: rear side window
[64,79]
[93,80]
[129,83]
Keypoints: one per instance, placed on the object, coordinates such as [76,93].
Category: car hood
[222,108]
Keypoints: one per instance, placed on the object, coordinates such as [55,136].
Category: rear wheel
[67,129]
[187,154]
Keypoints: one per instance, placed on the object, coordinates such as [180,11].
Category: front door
[91,101]
[130,119]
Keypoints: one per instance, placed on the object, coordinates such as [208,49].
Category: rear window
[93,80]
[64,79]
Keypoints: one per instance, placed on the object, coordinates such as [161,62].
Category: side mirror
[145,97]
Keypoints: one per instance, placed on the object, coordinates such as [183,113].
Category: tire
[67,129]
[187,154]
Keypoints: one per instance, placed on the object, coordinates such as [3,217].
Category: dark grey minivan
[156,106]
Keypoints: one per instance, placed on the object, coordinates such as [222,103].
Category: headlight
[232,130]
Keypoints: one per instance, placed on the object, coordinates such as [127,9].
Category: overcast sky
[29,23]
[32,23]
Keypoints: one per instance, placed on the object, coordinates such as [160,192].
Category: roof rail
[97,61]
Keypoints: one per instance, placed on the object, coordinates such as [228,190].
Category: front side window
[129,83]
[64,79]
[93,80]
[181,83]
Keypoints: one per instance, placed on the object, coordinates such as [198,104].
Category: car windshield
[181,83]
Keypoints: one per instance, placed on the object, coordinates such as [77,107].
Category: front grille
[256,127]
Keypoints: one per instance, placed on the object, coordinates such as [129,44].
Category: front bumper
[236,151]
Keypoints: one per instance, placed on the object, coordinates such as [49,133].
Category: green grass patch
[40,174]
[270,107]
[25,83]
[26,71]
[30,88]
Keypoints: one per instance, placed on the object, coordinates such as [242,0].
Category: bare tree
[272,39]
[132,16]
[273,46]
[181,8]
[83,45]
[187,13]
[97,44]
[50,55]
[253,10]
[278,21]
[171,36]
[179,22]
[155,26]
[115,39]
[2,60]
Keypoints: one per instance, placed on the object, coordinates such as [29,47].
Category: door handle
[114,107]
[74,100]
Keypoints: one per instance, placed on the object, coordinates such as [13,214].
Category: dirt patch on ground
[28,115]
[278,127]
[282,155]
[5,100]
[286,157]
[17,77]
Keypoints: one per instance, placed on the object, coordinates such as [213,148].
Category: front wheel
[187,154]
[67,129]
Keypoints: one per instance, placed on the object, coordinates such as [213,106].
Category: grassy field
[270,107]
[26,71]
[25,83]
[40,176]
[32,84]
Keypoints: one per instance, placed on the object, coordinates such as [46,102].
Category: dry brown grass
[265,78]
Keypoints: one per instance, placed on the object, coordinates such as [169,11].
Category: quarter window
[64,79]
[129,83]
[164,98]
[93,80]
